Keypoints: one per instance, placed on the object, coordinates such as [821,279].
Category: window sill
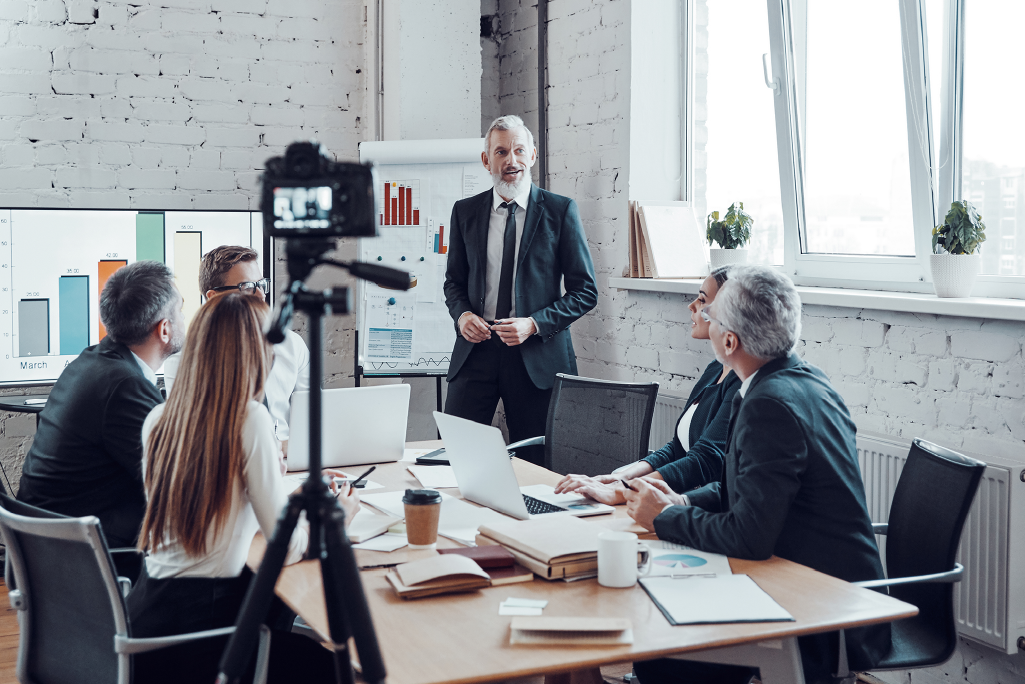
[970,307]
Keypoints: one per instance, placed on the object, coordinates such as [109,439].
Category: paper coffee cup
[423,510]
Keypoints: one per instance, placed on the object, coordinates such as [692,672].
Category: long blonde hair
[194,456]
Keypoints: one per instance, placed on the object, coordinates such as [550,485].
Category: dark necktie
[505,280]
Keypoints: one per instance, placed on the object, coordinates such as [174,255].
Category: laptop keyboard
[537,506]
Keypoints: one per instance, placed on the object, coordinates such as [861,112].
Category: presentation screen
[55,262]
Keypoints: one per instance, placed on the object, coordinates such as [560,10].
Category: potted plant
[731,234]
[955,258]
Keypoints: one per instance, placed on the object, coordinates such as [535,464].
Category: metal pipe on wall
[542,92]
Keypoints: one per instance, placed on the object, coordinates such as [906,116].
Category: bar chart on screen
[399,203]
[55,263]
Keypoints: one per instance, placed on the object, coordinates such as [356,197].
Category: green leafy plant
[962,230]
[734,231]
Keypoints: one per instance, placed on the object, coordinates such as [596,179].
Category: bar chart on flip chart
[55,263]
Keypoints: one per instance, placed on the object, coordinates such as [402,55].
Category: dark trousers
[492,371]
[161,607]
[668,671]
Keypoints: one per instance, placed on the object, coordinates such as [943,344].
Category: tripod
[347,611]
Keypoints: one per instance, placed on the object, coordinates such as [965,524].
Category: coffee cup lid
[421,497]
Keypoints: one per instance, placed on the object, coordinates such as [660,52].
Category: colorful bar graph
[188,255]
[149,236]
[104,270]
[73,314]
[33,327]
[401,203]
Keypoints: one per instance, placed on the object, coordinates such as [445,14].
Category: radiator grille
[668,408]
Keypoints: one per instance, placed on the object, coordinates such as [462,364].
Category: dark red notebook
[485,556]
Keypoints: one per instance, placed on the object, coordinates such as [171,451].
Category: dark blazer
[86,458]
[791,487]
[552,248]
[684,469]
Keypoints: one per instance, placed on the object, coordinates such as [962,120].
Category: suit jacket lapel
[535,210]
[483,228]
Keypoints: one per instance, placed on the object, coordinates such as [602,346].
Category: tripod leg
[259,596]
[347,609]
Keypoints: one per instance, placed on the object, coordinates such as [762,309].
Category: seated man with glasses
[229,268]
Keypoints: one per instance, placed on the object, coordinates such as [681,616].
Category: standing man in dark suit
[791,485]
[86,458]
[511,250]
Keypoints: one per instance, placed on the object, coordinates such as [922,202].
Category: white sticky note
[525,603]
[517,610]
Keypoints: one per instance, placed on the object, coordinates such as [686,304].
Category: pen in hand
[628,486]
[358,481]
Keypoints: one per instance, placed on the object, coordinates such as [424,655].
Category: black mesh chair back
[595,426]
[932,499]
[70,605]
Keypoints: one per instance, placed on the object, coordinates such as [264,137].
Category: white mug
[617,559]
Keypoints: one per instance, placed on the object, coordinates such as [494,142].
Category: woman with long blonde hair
[212,479]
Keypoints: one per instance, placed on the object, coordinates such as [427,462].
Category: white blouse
[256,502]
[683,427]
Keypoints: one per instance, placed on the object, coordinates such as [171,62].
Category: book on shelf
[665,241]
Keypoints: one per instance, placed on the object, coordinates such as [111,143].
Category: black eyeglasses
[247,287]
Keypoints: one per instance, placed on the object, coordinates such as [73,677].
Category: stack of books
[553,547]
[665,242]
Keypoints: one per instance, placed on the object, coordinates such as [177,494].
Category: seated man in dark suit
[790,486]
[86,458]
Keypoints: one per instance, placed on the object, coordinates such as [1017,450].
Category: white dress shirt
[496,246]
[257,500]
[290,373]
[146,370]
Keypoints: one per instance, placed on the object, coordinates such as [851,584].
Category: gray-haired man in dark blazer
[511,251]
[790,486]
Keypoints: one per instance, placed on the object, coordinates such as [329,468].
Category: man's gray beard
[510,190]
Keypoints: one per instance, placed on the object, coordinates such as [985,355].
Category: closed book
[485,556]
[366,525]
[437,575]
[571,631]
[513,574]
[552,540]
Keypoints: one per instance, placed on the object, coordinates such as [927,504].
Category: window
[734,119]
[883,113]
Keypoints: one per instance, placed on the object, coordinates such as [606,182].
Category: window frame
[935,183]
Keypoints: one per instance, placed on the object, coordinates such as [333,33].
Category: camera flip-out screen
[302,208]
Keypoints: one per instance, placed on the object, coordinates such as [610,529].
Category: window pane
[993,132]
[734,115]
[857,181]
[935,39]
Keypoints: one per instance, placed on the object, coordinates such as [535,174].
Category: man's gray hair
[509,122]
[760,305]
[135,299]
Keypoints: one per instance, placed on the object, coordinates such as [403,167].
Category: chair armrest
[126,549]
[123,644]
[947,577]
[125,584]
[880,528]
[533,441]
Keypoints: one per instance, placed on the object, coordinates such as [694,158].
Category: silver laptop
[485,474]
[360,425]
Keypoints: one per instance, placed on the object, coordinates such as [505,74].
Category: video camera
[306,194]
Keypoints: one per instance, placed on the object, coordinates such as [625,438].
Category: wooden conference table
[461,637]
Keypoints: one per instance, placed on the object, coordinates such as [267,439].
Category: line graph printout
[55,262]
[422,184]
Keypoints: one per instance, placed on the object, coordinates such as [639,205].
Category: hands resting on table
[648,496]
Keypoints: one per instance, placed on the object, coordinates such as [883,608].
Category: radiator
[668,408]
[989,602]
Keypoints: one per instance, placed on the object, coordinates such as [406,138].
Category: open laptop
[485,474]
[359,425]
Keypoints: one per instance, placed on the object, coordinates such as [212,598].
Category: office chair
[932,499]
[71,610]
[595,426]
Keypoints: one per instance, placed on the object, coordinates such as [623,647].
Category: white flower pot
[724,257]
[953,275]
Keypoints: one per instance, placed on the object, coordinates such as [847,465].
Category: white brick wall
[959,382]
